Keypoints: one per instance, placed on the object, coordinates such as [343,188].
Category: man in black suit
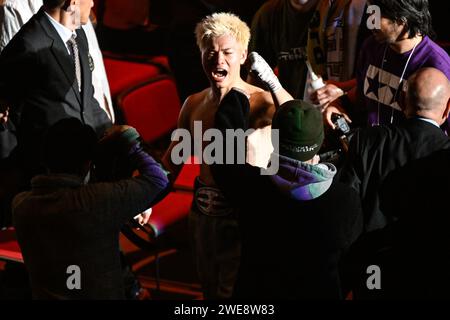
[44,78]
[374,155]
[420,237]
[375,152]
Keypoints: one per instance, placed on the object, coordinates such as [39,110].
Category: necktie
[73,47]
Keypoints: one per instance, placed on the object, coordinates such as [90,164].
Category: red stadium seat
[9,247]
[151,107]
[185,180]
[161,61]
[176,205]
[123,74]
[171,209]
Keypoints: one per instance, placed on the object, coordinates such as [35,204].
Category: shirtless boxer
[223,40]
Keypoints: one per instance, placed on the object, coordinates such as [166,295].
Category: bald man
[428,95]
[375,152]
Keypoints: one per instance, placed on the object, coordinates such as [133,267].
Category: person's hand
[114,131]
[4,115]
[263,71]
[326,95]
[259,147]
[328,112]
[143,218]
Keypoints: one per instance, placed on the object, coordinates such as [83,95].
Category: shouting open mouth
[219,74]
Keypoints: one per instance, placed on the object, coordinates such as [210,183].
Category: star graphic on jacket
[374,85]
[394,95]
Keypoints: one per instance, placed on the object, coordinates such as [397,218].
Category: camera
[340,123]
[343,130]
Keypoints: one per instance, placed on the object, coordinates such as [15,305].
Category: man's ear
[68,5]
[244,56]
[402,21]
[86,170]
[447,110]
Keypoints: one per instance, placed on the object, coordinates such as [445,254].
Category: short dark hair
[415,12]
[52,4]
[68,145]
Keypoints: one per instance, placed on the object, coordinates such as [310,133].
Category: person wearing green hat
[301,131]
[297,223]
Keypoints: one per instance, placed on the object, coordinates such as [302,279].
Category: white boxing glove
[263,71]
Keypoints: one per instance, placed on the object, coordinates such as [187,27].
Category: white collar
[429,121]
[64,33]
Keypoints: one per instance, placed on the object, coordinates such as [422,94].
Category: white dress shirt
[429,121]
[99,79]
[64,33]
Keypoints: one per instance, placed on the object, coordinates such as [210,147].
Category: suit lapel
[60,53]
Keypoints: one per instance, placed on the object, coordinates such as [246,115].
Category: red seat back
[174,207]
[185,180]
[124,74]
[9,247]
[151,107]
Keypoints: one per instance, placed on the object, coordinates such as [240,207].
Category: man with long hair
[400,46]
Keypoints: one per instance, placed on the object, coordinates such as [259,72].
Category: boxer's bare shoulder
[262,107]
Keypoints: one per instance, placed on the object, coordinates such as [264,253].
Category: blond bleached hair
[220,24]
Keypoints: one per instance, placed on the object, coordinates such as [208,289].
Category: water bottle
[314,84]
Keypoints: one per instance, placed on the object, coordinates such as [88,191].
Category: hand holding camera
[340,123]
[4,113]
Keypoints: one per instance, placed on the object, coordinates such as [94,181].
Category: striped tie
[73,47]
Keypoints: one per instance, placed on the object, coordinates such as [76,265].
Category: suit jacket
[419,239]
[377,151]
[37,80]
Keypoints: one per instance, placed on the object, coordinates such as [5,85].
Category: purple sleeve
[147,166]
[134,195]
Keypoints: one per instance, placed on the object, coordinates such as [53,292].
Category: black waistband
[210,200]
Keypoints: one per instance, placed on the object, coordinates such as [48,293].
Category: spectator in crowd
[13,15]
[375,152]
[66,227]
[125,27]
[53,54]
[400,47]
[287,32]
